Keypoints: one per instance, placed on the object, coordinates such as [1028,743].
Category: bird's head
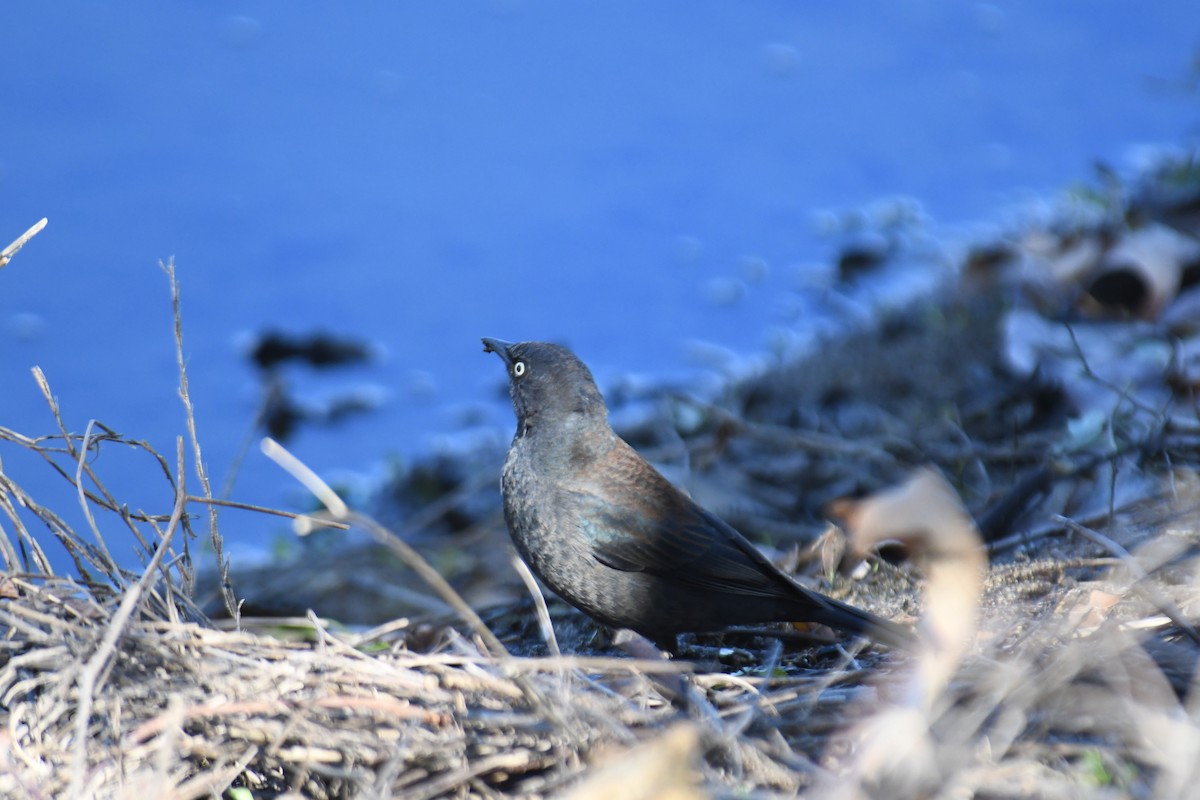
[550,387]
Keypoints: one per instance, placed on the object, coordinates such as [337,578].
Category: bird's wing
[677,540]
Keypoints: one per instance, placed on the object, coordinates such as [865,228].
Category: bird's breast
[528,502]
[545,529]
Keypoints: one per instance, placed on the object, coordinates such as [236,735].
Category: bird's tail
[849,619]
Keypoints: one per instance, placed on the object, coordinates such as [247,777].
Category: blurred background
[666,192]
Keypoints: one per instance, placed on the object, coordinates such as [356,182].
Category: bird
[609,534]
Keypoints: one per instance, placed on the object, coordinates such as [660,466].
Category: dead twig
[7,253]
[227,595]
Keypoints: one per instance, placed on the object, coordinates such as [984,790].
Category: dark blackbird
[610,535]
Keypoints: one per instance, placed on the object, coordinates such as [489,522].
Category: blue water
[624,177]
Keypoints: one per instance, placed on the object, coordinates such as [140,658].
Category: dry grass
[179,709]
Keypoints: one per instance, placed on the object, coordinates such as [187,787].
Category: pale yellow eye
[518,369]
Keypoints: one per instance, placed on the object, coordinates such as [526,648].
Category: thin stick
[231,604]
[307,478]
[1124,394]
[539,602]
[113,570]
[8,490]
[317,521]
[7,253]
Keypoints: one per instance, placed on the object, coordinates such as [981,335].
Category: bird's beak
[500,348]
